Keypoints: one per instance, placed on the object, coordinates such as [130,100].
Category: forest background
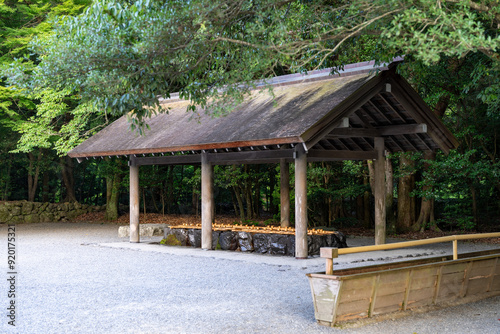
[69,68]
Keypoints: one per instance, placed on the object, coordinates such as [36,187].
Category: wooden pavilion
[361,113]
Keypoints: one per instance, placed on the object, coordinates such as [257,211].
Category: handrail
[329,253]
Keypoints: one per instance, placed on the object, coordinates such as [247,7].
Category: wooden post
[300,203]
[207,201]
[380,212]
[134,202]
[455,249]
[285,193]
[329,253]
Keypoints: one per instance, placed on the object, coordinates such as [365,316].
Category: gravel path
[81,278]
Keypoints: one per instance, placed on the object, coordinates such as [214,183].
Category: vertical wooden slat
[373,298]
[207,202]
[438,284]
[493,271]
[285,193]
[465,282]
[380,210]
[408,288]
[134,202]
[300,203]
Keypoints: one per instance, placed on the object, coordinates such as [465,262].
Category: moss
[218,247]
[170,240]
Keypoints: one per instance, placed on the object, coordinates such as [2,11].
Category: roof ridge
[315,75]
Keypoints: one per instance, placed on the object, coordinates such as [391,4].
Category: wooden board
[368,292]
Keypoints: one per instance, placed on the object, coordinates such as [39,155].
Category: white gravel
[82,278]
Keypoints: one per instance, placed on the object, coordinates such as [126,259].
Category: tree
[125,55]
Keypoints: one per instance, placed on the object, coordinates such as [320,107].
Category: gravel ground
[81,278]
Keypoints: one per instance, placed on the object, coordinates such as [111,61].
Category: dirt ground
[171,219]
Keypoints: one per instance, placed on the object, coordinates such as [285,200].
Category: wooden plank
[495,283]
[353,309]
[373,296]
[390,130]
[336,155]
[393,302]
[477,286]
[492,274]
[273,155]
[189,159]
[420,297]
[325,294]
[408,286]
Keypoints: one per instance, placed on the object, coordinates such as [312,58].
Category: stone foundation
[264,243]
[36,212]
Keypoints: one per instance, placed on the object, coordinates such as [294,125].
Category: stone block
[145,230]
[228,240]
[261,242]
[194,237]
[32,218]
[245,242]
[46,217]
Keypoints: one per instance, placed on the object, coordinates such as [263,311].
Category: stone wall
[264,243]
[36,212]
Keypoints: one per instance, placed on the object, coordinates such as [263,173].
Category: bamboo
[455,249]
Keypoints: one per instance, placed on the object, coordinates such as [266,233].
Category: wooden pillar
[379,193]
[207,201]
[285,193]
[300,203]
[134,202]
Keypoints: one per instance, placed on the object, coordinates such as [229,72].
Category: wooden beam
[380,210]
[316,155]
[207,201]
[228,158]
[391,130]
[300,203]
[134,202]
[190,159]
[285,193]
[249,156]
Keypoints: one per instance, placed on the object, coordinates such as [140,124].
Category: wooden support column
[379,193]
[134,202]
[207,201]
[300,203]
[285,193]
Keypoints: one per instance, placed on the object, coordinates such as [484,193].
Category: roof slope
[305,110]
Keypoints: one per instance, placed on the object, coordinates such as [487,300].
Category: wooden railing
[330,253]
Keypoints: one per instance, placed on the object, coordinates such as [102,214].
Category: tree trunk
[427,206]
[405,216]
[195,198]
[45,186]
[68,178]
[272,184]
[256,201]
[170,189]
[389,198]
[112,196]
[237,193]
[366,204]
[5,194]
[33,175]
